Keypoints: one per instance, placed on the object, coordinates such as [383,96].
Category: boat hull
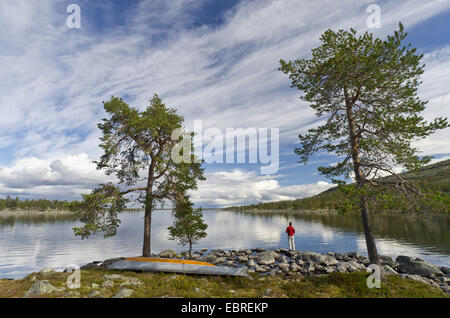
[182,268]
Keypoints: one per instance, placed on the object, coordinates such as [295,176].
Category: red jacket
[290,230]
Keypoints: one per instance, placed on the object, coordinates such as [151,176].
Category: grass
[173,285]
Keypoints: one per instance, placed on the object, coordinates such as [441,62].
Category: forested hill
[434,177]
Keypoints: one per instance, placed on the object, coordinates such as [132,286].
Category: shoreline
[276,267]
[34,212]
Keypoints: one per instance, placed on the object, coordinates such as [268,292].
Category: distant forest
[10,204]
[433,180]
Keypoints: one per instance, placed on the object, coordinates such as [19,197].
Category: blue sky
[213,60]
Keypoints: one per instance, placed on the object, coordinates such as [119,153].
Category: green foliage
[99,210]
[188,227]
[365,91]
[137,149]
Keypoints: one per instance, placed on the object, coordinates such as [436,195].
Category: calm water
[30,243]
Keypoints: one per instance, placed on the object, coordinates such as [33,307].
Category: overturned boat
[170,265]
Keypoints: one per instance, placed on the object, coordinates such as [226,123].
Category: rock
[445,270]
[133,282]
[220,260]
[416,278]
[167,254]
[40,288]
[95,294]
[284,267]
[282,259]
[259,249]
[340,268]
[95,286]
[422,268]
[227,253]
[108,284]
[353,266]
[209,258]
[228,263]
[294,267]
[324,260]
[243,259]
[115,277]
[123,293]
[47,271]
[352,254]
[387,260]
[251,263]
[266,258]
[404,259]
[389,270]
[260,269]
[267,292]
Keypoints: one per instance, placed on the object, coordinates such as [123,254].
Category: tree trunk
[370,240]
[190,250]
[146,247]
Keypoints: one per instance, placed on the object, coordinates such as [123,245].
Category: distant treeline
[15,204]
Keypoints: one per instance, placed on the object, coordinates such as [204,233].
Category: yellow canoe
[167,260]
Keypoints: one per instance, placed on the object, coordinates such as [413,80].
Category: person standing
[290,232]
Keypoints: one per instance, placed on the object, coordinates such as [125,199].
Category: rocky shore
[297,263]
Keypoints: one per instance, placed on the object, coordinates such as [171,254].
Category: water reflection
[30,243]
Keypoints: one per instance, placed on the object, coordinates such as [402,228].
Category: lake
[30,243]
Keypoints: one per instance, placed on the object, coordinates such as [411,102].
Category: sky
[214,61]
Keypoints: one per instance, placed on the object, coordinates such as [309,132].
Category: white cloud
[53,80]
[237,187]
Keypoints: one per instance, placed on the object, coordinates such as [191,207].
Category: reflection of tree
[11,220]
[433,231]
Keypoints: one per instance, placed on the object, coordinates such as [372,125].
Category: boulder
[389,270]
[95,294]
[209,258]
[408,265]
[404,259]
[324,260]
[108,284]
[387,260]
[123,293]
[251,263]
[167,254]
[266,258]
[282,259]
[243,259]
[40,288]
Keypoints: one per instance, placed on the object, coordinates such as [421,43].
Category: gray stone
[123,293]
[209,258]
[421,268]
[352,254]
[131,283]
[108,284]
[167,254]
[387,260]
[404,259]
[251,263]
[95,294]
[389,270]
[445,270]
[40,288]
[95,286]
[284,267]
[282,259]
[243,259]
[260,269]
[266,258]
[312,257]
